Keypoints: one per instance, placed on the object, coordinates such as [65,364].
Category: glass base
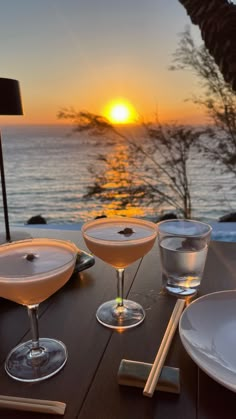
[115,317]
[180,291]
[49,360]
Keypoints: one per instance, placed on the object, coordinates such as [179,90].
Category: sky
[86,53]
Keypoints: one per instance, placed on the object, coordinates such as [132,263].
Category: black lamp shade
[10,97]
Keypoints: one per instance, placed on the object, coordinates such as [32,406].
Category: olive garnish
[30,257]
[127,231]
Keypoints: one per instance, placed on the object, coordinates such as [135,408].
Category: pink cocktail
[119,242]
[30,272]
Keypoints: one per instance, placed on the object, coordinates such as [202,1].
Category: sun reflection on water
[116,182]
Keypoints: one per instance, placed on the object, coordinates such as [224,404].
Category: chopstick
[32,405]
[163,349]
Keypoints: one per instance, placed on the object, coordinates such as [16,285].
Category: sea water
[47,172]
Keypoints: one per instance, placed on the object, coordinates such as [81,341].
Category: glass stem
[120,287]
[33,316]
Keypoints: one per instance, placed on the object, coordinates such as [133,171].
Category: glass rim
[31,277]
[184,234]
[106,220]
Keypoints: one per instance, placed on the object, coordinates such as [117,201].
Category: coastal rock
[168,216]
[37,219]
[231,217]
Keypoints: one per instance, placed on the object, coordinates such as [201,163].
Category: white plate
[208,332]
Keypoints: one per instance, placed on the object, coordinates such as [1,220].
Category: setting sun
[120,112]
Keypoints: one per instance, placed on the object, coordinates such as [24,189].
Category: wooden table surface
[88,382]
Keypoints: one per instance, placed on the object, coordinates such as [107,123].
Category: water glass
[183,248]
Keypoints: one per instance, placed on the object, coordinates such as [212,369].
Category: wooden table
[88,382]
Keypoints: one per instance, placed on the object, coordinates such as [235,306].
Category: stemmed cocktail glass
[30,272]
[120,241]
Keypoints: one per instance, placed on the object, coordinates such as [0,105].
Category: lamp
[10,104]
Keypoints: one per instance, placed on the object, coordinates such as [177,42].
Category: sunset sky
[88,53]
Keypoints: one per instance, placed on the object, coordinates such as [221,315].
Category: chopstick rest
[135,374]
[32,405]
[163,349]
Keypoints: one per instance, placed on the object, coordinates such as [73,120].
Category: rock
[168,216]
[231,217]
[37,219]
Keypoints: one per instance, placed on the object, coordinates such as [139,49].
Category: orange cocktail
[30,272]
[120,241]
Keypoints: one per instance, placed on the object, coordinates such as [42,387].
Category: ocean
[47,172]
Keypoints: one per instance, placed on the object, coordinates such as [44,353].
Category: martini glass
[119,242]
[30,272]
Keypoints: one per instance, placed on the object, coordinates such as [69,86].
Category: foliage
[218,100]
[154,168]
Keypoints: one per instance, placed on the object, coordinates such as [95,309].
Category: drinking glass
[119,241]
[31,271]
[183,248]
